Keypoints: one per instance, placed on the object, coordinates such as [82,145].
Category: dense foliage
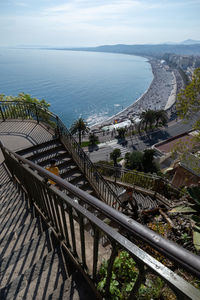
[188,102]
[142,161]
[124,276]
[152,118]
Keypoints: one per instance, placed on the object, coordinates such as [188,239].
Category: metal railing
[24,110]
[68,219]
[140,179]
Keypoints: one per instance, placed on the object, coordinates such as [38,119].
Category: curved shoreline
[161,94]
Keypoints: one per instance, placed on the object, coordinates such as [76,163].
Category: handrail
[182,257]
[150,180]
[103,189]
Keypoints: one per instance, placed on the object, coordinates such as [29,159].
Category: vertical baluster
[40,199]
[95,252]
[82,236]
[72,230]
[49,208]
[59,222]
[65,224]
[53,205]
[139,280]
[2,114]
[110,266]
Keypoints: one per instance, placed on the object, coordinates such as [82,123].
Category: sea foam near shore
[161,94]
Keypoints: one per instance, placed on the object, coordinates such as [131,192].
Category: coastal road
[141,143]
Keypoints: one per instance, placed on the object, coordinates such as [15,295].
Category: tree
[121,132]
[79,126]
[134,160]
[115,155]
[161,115]
[141,161]
[148,161]
[188,104]
[93,139]
[147,118]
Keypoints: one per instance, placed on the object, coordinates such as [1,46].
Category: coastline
[161,94]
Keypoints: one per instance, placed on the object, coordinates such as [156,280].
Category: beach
[161,94]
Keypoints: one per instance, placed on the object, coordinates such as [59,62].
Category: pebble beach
[161,94]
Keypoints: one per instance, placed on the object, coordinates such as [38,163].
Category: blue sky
[97,22]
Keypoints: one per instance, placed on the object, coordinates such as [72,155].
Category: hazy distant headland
[144,50]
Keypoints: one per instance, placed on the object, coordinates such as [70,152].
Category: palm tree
[147,117]
[79,126]
[161,115]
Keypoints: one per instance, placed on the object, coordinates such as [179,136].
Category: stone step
[20,260]
[74,288]
[39,148]
[19,237]
[39,281]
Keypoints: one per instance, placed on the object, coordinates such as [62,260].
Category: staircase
[32,263]
[41,154]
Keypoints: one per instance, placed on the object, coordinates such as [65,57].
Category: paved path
[17,135]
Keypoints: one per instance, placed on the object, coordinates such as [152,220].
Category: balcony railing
[23,110]
[68,218]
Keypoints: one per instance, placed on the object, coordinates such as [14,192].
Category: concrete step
[39,148]
[59,159]
[46,153]
[19,237]
[20,260]
[74,288]
[39,281]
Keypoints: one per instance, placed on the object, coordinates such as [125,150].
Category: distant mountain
[145,50]
[190,42]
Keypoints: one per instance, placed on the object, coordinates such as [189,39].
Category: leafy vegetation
[115,155]
[37,109]
[142,161]
[188,104]
[153,118]
[124,276]
[93,139]
[121,132]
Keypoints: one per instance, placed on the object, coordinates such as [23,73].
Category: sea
[91,85]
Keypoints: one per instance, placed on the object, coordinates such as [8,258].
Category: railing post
[57,127]
[36,112]
[2,114]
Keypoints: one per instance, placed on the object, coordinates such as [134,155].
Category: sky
[74,23]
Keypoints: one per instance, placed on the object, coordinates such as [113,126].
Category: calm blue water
[87,84]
